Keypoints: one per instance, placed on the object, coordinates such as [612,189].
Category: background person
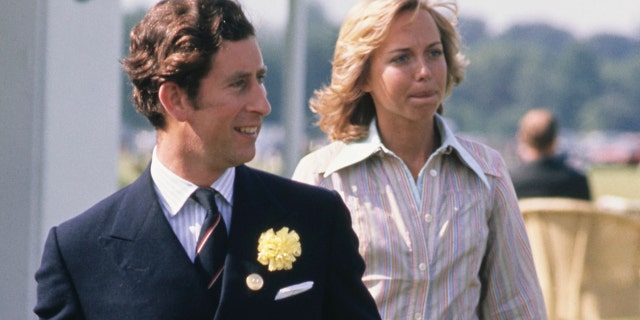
[198,76]
[438,221]
[544,173]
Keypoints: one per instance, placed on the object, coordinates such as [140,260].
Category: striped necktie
[211,248]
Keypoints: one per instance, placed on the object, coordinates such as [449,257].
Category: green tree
[580,81]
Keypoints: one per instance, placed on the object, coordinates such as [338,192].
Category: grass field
[621,181]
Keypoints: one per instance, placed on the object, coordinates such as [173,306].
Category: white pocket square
[293,290]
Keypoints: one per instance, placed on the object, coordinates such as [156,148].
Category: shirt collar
[358,151]
[450,143]
[176,190]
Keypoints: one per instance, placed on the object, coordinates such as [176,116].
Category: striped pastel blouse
[451,245]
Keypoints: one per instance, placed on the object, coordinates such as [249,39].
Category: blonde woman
[437,217]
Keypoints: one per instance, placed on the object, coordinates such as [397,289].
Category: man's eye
[239,83]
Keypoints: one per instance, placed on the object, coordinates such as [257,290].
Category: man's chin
[245,157]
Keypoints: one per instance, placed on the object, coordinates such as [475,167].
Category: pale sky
[581,17]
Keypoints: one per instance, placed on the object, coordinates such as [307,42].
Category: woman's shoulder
[317,161]
[487,157]
[477,147]
[325,153]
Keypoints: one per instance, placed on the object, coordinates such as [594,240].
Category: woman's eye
[435,53]
[400,59]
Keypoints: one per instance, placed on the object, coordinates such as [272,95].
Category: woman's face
[407,79]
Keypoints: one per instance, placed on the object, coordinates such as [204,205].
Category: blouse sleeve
[509,281]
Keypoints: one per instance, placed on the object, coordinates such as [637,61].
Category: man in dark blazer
[543,173]
[289,251]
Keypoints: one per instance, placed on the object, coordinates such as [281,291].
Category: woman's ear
[363,85]
[174,100]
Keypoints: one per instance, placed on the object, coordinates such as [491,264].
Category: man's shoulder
[523,172]
[312,204]
[555,166]
[570,169]
[102,212]
[95,215]
[273,181]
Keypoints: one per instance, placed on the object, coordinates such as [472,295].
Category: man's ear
[174,100]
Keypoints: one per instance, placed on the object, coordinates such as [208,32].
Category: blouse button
[422,266]
[428,218]
[433,172]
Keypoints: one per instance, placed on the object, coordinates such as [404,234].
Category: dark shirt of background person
[544,173]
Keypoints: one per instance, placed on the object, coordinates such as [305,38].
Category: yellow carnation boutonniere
[279,249]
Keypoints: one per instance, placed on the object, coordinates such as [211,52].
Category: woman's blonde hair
[344,110]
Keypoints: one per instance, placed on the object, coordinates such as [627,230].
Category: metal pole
[294,84]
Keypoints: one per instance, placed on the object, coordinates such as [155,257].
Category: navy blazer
[121,260]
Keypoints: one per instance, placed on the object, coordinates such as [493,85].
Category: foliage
[590,83]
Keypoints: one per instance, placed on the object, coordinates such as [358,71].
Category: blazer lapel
[150,257]
[141,236]
[255,210]
[253,205]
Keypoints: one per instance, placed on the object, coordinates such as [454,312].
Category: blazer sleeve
[57,298]
[348,297]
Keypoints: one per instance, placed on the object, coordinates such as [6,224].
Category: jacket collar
[174,191]
[252,200]
[357,151]
[139,203]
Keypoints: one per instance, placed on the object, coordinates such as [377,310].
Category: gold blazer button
[254,282]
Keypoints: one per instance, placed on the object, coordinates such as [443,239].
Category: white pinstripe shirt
[184,214]
[451,245]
